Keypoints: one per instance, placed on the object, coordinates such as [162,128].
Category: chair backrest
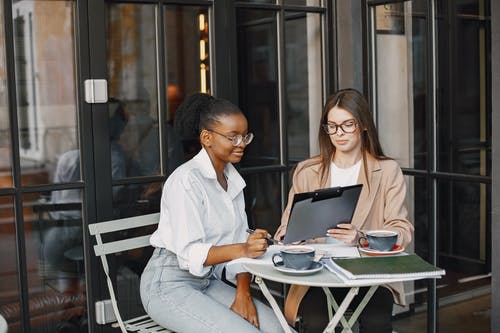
[98,229]
[101,249]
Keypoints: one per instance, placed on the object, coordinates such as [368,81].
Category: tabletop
[323,278]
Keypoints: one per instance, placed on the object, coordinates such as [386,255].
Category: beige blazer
[381,205]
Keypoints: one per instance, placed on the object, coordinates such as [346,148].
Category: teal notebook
[386,267]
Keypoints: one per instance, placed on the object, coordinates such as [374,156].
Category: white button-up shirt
[196,214]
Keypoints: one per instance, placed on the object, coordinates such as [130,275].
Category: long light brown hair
[355,103]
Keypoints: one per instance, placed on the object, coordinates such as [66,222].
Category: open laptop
[313,213]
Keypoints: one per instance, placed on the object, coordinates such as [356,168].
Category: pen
[270,241]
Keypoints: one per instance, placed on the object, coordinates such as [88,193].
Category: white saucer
[316,267]
[396,249]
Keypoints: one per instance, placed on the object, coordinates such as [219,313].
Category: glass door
[42,173]
[429,63]
[152,55]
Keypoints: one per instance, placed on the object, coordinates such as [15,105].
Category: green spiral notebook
[405,266]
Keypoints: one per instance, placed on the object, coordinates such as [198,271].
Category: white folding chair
[138,324]
[3,325]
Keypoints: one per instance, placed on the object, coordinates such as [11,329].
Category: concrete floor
[471,316]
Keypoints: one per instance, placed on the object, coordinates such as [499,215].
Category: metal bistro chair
[138,324]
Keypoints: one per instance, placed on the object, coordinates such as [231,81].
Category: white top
[344,177]
[196,214]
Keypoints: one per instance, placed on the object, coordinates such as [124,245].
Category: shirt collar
[235,182]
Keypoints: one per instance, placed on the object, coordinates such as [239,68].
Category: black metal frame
[495,213]
[93,122]
[431,174]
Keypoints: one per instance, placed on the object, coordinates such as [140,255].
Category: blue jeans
[182,302]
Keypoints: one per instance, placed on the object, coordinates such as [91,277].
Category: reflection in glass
[133,200]
[67,171]
[187,53]
[401,77]
[258,79]
[464,117]
[303,83]
[259,1]
[54,249]
[262,196]
[136,199]
[44,47]
[464,239]
[303,2]
[9,289]
[462,222]
[5,144]
[133,109]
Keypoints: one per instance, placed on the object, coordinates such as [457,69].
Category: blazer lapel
[368,193]
[313,181]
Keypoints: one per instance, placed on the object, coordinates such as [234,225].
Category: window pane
[259,1]
[464,117]
[469,7]
[303,83]
[464,246]
[401,81]
[138,199]
[133,106]
[5,144]
[44,47]
[263,195]
[303,2]
[9,277]
[463,220]
[56,271]
[258,84]
[187,52]
[132,200]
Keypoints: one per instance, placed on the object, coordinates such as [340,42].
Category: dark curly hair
[201,111]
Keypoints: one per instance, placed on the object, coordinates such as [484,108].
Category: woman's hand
[345,232]
[243,303]
[256,244]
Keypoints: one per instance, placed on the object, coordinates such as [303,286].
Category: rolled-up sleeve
[197,256]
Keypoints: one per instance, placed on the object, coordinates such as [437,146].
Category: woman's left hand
[243,305]
[345,232]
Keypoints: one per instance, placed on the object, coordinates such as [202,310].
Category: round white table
[324,279]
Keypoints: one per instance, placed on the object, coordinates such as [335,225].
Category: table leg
[339,313]
[333,306]
[362,305]
[272,302]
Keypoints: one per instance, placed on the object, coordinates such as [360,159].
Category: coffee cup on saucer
[297,257]
[379,240]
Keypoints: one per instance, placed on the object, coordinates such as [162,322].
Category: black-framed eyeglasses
[348,126]
[237,139]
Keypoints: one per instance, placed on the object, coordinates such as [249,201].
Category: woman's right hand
[256,244]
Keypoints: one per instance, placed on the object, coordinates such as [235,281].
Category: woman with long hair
[350,153]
